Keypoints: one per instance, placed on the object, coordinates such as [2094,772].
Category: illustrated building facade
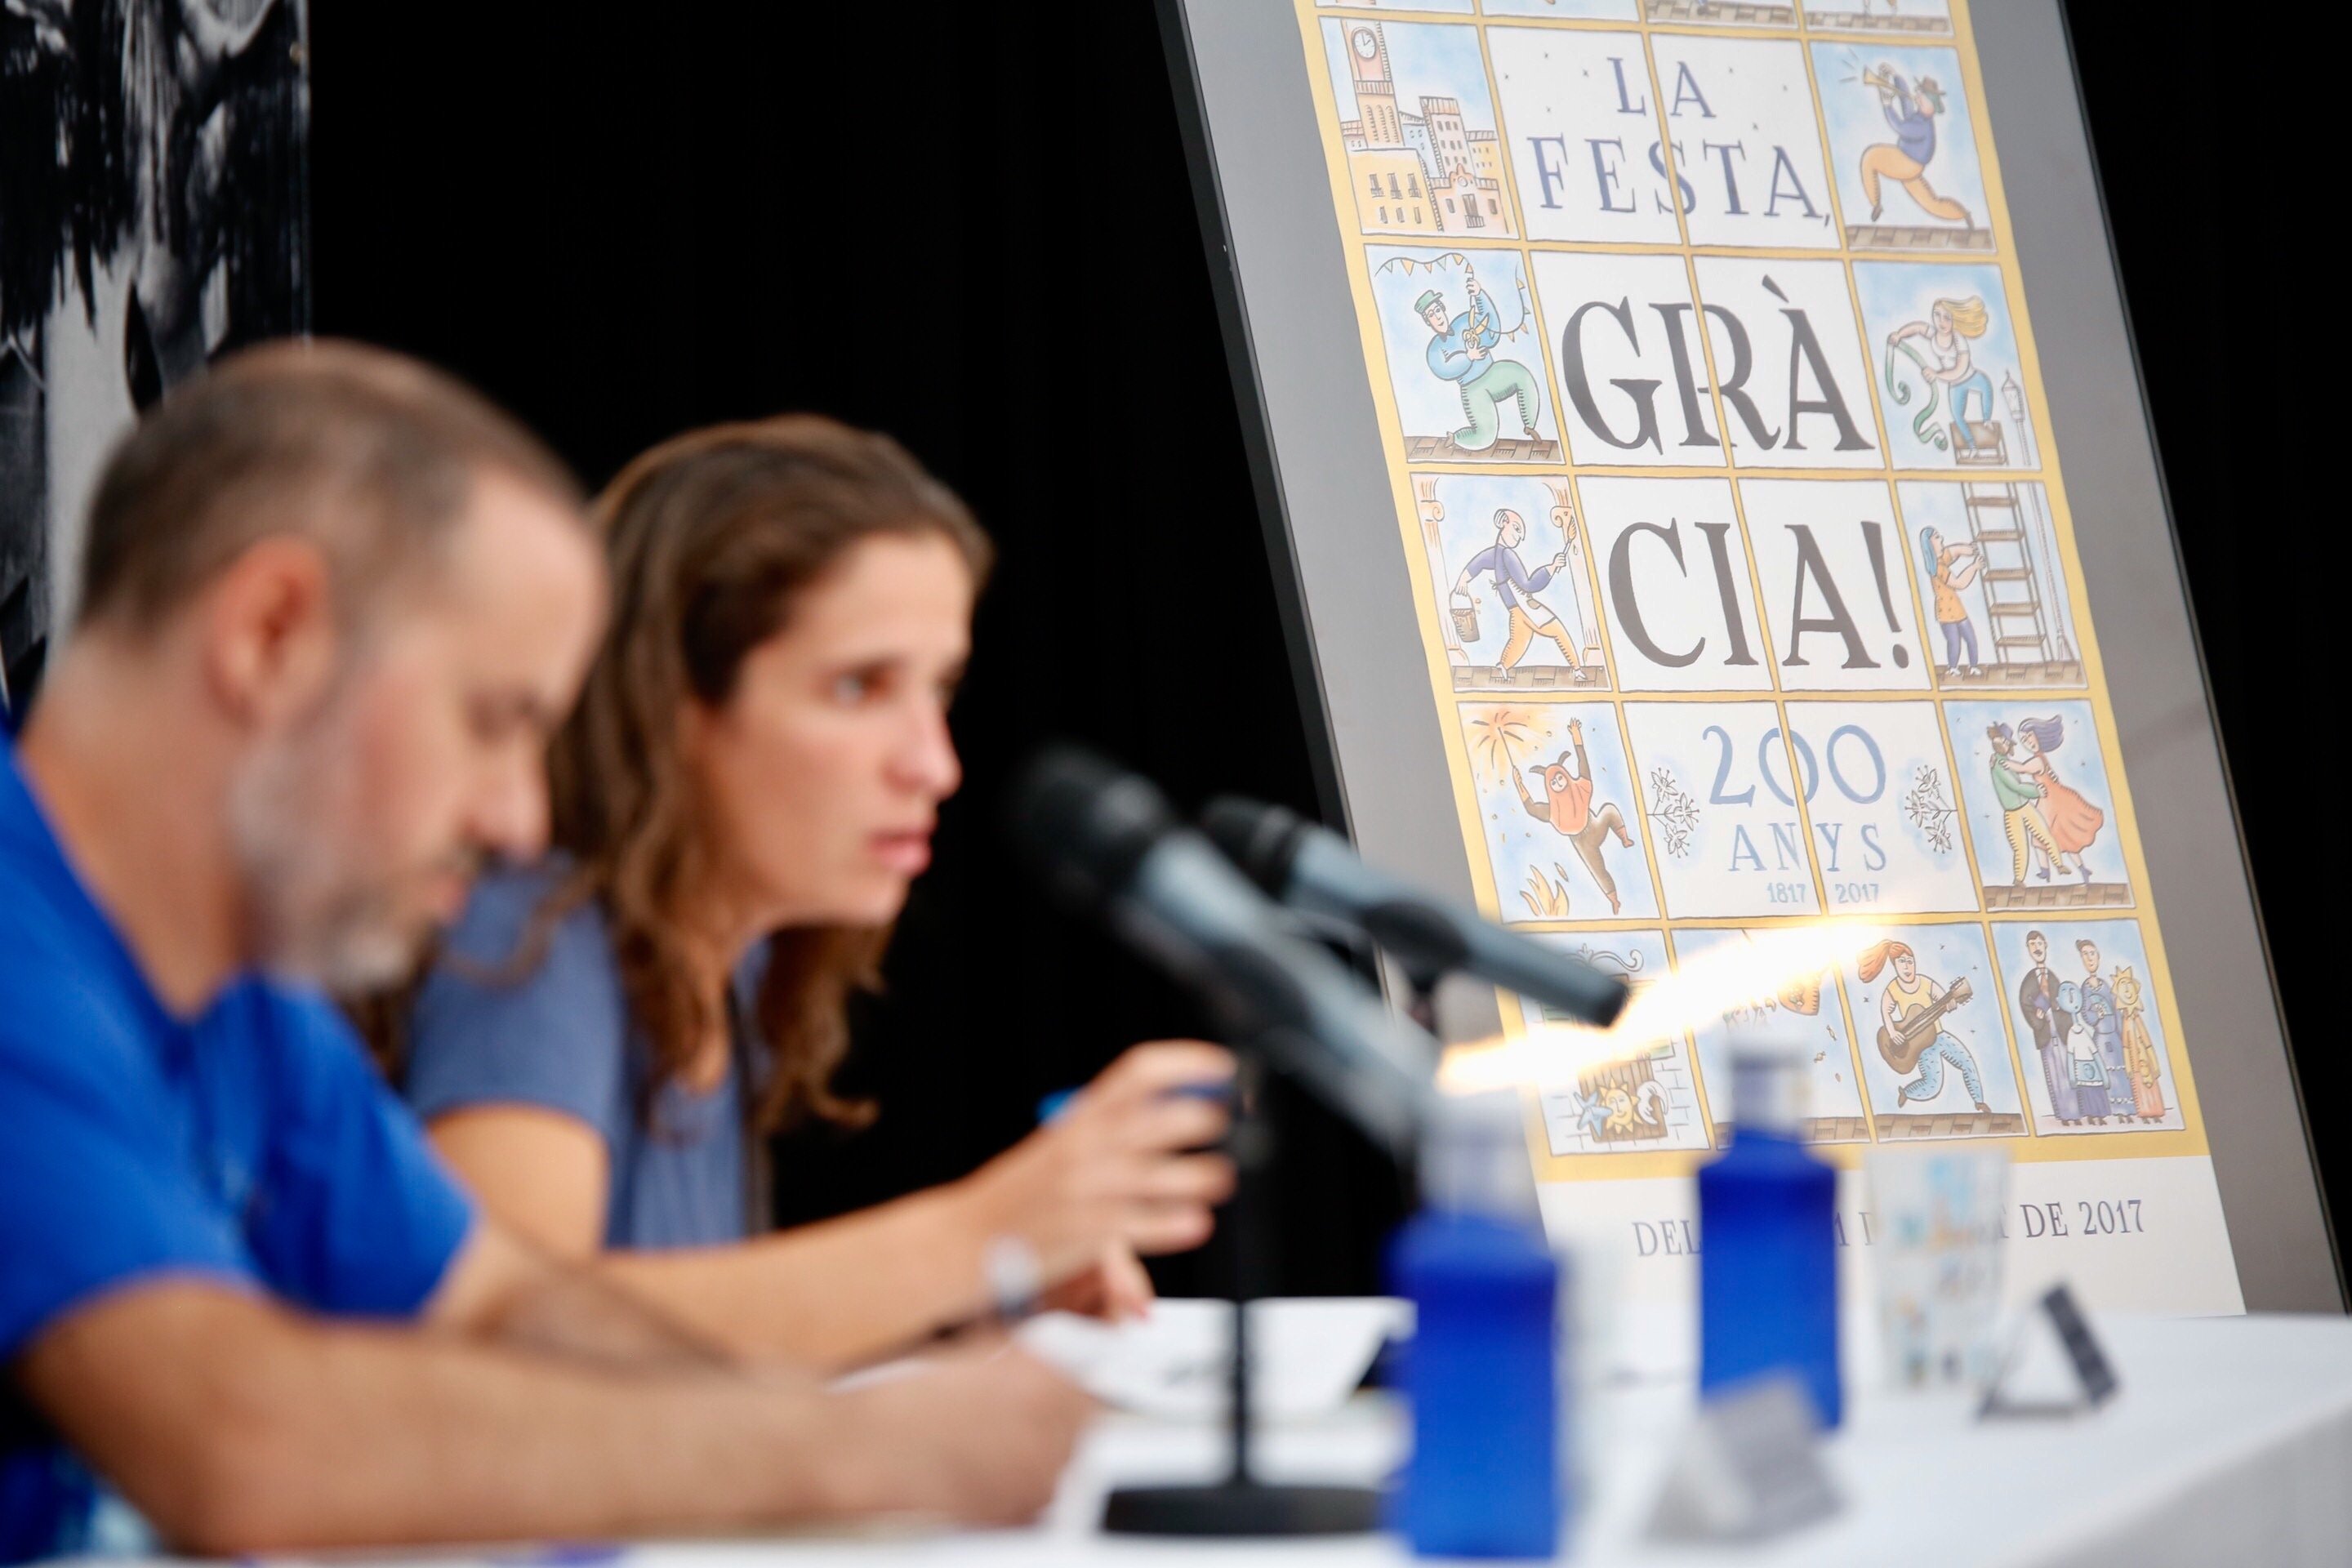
[1430,172]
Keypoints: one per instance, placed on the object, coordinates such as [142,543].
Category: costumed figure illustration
[2084,1064]
[2040,1000]
[1607,1113]
[1515,587]
[1568,806]
[1911,1034]
[1944,358]
[2074,823]
[2103,1024]
[1462,350]
[1911,110]
[1952,568]
[2140,1058]
[2019,798]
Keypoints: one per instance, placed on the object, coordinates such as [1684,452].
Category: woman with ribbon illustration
[1944,358]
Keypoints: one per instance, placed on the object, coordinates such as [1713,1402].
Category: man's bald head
[371,455]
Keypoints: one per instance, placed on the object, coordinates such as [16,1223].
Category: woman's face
[823,769]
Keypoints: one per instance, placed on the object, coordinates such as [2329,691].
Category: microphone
[1105,840]
[1315,870]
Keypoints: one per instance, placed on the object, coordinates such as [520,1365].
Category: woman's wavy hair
[711,538]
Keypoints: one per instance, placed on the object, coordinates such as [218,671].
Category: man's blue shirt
[253,1146]
[1449,352]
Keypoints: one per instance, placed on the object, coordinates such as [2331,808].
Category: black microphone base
[1242,1508]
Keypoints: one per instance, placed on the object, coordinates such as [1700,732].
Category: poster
[1708,391]
[152,197]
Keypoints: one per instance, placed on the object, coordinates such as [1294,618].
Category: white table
[2230,1447]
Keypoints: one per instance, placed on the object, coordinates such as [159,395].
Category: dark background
[929,218]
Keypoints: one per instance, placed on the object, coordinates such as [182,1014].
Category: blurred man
[333,606]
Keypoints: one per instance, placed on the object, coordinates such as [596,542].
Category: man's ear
[268,635]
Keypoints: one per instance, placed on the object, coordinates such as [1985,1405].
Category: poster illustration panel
[1803,1005]
[2087,1026]
[1831,562]
[1792,376]
[1464,353]
[1583,10]
[1878,793]
[1637,1103]
[1722,13]
[1630,363]
[1746,151]
[1555,798]
[1673,571]
[2040,808]
[1715,789]
[1986,556]
[1948,368]
[1507,558]
[1418,127]
[1903,146]
[1913,18]
[1583,132]
[1928,1005]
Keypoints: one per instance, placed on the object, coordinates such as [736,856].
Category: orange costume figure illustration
[2140,1057]
[1911,110]
[1568,806]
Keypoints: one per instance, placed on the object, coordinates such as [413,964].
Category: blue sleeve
[357,1215]
[555,1035]
[86,1207]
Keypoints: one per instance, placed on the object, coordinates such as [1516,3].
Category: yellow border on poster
[2124,1144]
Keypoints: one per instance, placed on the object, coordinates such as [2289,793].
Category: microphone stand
[1240,1504]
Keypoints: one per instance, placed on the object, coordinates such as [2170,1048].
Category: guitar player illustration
[1911,1034]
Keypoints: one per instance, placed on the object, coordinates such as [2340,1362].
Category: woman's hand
[1118,1167]
[1115,1287]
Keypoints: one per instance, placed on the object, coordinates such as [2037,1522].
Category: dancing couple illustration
[2048,823]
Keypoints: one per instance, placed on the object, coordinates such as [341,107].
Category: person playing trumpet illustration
[1911,110]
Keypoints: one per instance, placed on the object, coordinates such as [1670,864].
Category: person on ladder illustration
[1912,1006]
[1952,568]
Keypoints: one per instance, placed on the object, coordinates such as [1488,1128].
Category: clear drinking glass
[1936,1250]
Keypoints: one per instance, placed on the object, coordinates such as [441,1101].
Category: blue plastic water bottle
[1481,1374]
[1768,1239]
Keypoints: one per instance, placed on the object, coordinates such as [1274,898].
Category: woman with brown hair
[740,800]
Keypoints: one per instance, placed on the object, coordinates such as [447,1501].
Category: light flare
[1728,978]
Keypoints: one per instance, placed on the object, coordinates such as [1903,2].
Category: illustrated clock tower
[1376,105]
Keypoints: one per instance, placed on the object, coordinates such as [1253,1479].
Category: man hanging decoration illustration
[1568,806]
[1462,350]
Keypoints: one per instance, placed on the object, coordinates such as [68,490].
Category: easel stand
[1240,1504]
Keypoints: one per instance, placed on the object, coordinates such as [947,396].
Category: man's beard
[323,905]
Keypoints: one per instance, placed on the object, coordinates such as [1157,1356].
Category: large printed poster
[1746,578]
